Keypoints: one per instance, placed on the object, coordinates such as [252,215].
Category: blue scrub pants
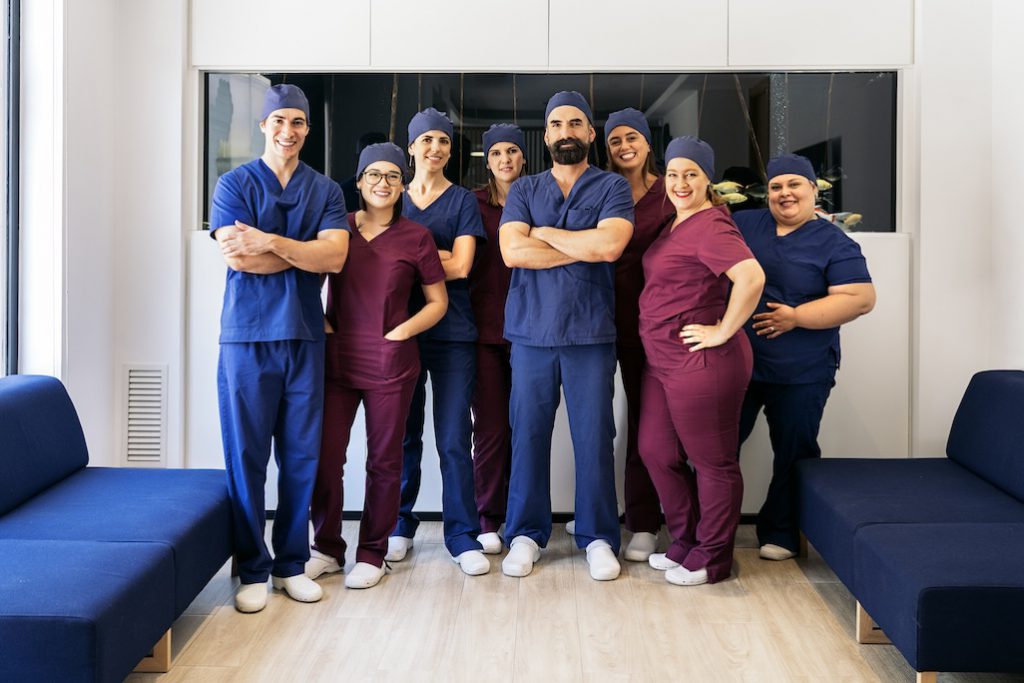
[793,412]
[271,391]
[586,375]
[452,368]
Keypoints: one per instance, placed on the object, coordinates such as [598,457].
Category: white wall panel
[813,33]
[265,34]
[459,35]
[606,34]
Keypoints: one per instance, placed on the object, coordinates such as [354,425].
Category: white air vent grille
[145,416]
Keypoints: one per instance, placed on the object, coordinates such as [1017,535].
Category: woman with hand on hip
[371,358]
[504,153]
[447,351]
[817,280]
[702,284]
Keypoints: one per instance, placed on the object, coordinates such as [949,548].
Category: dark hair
[714,197]
[396,212]
[492,186]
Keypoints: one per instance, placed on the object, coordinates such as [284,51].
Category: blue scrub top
[572,304]
[283,305]
[451,215]
[798,268]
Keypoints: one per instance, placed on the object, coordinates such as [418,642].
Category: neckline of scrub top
[432,202]
[269,172]
[794,230]
[576,183]
[374,238]
[672,228]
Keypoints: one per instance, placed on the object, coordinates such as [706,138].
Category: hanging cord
[828,124]
[419,92]
[515,102]
[750,128]
[700,106]
[593,148]
[462,119]
[641,107]
[394,106]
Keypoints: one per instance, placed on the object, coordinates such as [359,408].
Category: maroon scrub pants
[492,436]
[386,410]
[692,418]
[643,511]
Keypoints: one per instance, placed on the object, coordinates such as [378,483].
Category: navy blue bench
[933,548]
[97,562]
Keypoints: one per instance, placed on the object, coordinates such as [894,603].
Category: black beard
[570,155]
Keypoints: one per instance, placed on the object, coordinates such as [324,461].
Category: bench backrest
[41,439]
[987,435]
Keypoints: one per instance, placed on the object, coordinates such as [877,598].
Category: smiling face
[627,148]
[382,194]
[791,199]
[686,185]
[285,131]
[568,135]
[505,161]
[431,150]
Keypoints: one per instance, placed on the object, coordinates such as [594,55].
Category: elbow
[336,264]
[461,271]
[612,253]
[867,305]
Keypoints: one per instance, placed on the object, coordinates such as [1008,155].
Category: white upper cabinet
[821,33]
[459,35]
[593,35]
[294,35]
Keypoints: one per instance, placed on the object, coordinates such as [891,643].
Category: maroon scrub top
[685,278]
[490,277]
[370,297]
[653,212]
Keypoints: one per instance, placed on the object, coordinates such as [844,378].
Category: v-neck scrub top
[451,215]
[284,305]
[686,283]
[654,212]
[370,297]
[572,304]
[490,278]
[799,267]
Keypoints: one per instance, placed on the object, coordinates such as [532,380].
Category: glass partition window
[844,123]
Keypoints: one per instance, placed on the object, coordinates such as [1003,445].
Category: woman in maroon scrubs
[504,148]
[702,283]
[372,358]
[630,154]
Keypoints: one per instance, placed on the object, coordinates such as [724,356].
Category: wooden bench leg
[801,549]
[927,676]
[868,632]
[159,660]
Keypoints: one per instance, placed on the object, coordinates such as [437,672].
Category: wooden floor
[426,621]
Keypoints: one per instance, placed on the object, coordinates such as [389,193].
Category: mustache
[577,144]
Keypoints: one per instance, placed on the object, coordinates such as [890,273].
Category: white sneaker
[641,546]
[660,562]
[251,597]
[770,551]
[320,564]
[398,548]
[365,575]
[604,566]
[299,587]
[523,552]
[681,576]
[491,542]
[473,562]
[570,527]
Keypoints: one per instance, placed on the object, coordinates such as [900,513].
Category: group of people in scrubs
[532,287]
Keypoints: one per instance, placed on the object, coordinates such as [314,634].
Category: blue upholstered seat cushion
[949,596]
[838,496]
[41,440]
[81,611]
[987,435]
[186,510]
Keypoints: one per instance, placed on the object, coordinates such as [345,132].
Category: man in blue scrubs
[561,232]
[279,224]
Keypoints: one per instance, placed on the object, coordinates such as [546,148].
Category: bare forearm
[743,300]
[832,310]
[263,264]
[423,320]
[314,256]
[533,254]
[589,246]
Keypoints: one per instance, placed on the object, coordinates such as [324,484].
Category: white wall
[126,178]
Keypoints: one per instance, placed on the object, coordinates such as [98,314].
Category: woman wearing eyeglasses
[371,358]
[447,352]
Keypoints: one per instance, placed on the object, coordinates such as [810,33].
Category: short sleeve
[516,210]
[618,202]
[847,264]
[469,222]
[228,204]
[335,214]
[428,262]
[722,246]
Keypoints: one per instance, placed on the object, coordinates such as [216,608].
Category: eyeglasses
[373,177]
